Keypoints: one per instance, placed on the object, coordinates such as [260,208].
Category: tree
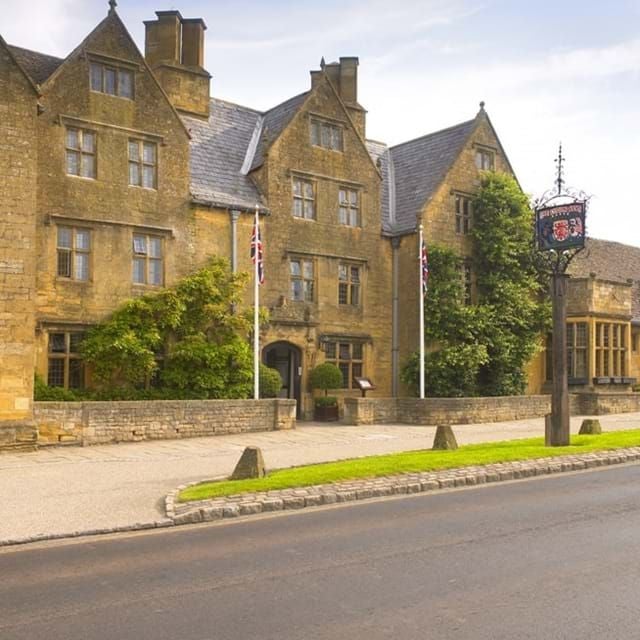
[191,328]
[453,332]
[483,349]
[508,284]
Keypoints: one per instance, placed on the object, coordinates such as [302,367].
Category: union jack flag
[260,252]
[424,259]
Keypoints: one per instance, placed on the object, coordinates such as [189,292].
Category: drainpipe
[395,348]
[235,214]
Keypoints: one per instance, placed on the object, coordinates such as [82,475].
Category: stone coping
[248,504]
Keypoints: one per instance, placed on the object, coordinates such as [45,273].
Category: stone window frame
[349,289]
[142,254]
[66,356]
[326,135]
[463,210]
[485,158]
[577,349]
[74,254]
[118,72]
[308,288]
[81,151]
[348,207]
[305,197]
[610,349]
[349,356]
[141,164]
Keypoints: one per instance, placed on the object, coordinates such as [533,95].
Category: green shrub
[325,376]
[43,392]
[191,326]
[270,382]
[326,401]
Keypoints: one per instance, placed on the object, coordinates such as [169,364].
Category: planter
[326,414]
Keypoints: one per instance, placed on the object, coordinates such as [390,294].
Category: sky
[549,72]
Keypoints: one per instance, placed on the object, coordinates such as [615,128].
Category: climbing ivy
[484,348]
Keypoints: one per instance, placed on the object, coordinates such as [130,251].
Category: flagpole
[256,303]
[421,286]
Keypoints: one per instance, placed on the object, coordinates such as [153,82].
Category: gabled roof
[419,166]
[274,123]
[38,66]
[610,261]
[218,149]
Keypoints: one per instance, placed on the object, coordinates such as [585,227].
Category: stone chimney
[174,49]
[344,77]
[193,42]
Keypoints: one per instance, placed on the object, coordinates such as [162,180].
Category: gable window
[73,248]
[611,348]
[147,260]
[143,164]
[303,199]
[349,358]
[326,135]
[349,284]
[65,366]
[485,159]
[111,80]
[302,279]
[80,149]
[349,207]
[463,214]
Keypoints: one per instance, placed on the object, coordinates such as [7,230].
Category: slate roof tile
[218,149]
[611,261]
[38,66]
[419,167]
[274,122]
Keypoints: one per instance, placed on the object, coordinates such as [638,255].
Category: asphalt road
[549,558]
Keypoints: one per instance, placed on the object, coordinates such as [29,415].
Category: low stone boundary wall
[105,422]
[597,404]
[433,411]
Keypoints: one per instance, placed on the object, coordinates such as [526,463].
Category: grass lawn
[411,461]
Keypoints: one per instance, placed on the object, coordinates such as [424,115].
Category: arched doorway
[287,359]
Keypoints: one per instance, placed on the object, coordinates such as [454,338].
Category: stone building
[603,321]
[120,174]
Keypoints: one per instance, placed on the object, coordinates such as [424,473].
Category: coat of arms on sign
[560,230]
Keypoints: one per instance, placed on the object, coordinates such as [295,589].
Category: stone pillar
[18,114]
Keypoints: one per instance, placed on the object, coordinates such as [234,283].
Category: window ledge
[139,186]
[74,281]
[73,175]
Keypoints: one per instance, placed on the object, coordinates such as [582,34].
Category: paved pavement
[66,489]
[551,559]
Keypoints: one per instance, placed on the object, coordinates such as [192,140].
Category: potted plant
[325,376]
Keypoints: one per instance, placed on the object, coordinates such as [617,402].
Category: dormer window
[326,135]
[112,80]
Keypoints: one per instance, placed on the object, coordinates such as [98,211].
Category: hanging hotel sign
[561,226]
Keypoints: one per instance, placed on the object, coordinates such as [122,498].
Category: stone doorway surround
[286,358]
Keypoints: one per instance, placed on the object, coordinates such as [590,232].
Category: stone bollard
[590,427]
[445,438]
[250,465]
